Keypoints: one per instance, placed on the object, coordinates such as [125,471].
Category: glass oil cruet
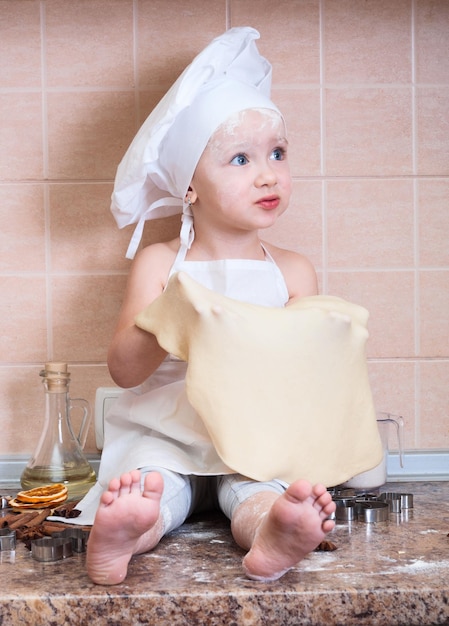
[59,456]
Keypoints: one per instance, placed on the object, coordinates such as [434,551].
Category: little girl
[216,146]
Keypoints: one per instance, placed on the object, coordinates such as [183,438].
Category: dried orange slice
[56,492]
[25,506]
[29,506]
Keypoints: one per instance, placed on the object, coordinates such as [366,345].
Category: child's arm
[301,279]
[135,354]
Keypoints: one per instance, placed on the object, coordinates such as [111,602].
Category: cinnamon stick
[40,517]
[22,519]
[7,519]
[53,527]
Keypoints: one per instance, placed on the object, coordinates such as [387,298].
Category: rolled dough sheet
[283,392]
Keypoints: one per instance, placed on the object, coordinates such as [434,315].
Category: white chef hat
[152,180]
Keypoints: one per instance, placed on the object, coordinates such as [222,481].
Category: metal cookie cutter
[7,539]
[398,501]
[51,548]
[345,509]
[406,500]
[3,506]
[393,500]
[339,493]
[77,536]
[373,511]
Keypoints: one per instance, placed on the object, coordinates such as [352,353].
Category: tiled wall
[364,85]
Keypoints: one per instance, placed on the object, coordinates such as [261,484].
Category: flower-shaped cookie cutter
[49,549]
[7,539]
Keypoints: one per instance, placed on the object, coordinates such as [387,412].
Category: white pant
[187,494]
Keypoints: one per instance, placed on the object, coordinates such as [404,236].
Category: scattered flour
[388,559]
[317,562]
[323,561]
[418,566]
[203,577]
[199,535]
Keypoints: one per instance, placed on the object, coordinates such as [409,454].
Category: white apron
[154,424]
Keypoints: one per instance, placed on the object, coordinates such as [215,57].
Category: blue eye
[239,159]
[278,154]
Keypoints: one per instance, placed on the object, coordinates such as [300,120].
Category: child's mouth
[270,202]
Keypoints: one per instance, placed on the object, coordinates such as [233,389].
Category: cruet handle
[85,422]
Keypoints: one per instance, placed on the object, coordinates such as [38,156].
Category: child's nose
[266,175]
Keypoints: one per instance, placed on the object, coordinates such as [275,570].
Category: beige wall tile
[20,44]
[85,311]
[23,314]
[290,36]
[434,422]
[389,298]
[370,223]
[22,407]
[433,222]
[148,99]
[367,42]
[21,155]
[84,234]
[163,229]
[433,313]
[432,28]
[171,34]
[432,105]
[393,387]
[97,37]
[301,111]
[22,235]
[368,132]
[88,133]
[300,227]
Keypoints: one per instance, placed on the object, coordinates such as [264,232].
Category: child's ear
[191,195]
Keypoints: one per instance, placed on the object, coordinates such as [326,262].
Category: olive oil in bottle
[59,456]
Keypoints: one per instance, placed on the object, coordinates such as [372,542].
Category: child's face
[242,180]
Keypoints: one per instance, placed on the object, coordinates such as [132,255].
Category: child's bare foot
[294,526]
[126,523]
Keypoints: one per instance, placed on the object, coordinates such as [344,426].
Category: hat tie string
[138,231]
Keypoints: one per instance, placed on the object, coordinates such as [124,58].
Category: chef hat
[152,180]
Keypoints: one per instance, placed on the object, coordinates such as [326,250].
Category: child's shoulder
[283,256]
[156,257]
[298,271]
[161,251]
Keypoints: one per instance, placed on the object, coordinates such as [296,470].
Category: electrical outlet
[104,399]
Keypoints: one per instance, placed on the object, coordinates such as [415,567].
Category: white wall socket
[104,399]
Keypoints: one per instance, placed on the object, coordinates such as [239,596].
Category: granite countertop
[387,573]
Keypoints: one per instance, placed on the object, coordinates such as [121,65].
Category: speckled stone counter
[388,573]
